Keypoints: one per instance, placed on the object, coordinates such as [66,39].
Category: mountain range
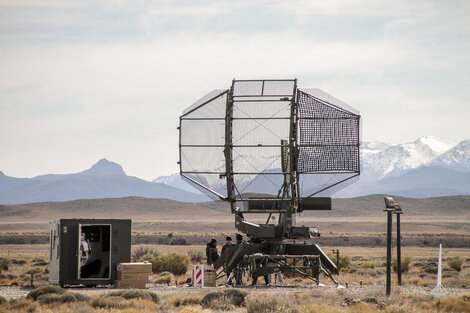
[427,167]
[105,179]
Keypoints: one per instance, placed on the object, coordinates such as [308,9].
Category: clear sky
[83,80]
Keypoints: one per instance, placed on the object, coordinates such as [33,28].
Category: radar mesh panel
[261,120]
[329,137]
[202,142]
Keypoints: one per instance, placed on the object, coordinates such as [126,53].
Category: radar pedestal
[286,227]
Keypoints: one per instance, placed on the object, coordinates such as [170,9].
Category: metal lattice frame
[231,142]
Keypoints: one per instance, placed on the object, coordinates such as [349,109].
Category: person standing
[228,243]
[238,271]
[211,252]
[239,238]
[260,262]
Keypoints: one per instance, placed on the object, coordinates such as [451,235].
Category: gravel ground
[356,291]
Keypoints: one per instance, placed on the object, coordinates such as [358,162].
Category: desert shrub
[164,278]
[81,297]
[211,297]
[196,256]
[268,305]
[349,301]
[109,303]
[449,272]
[175,263]
[372,300]
[141,294]
[455,263]
[219,300]
[141,251]
[67,297]
[149,257]
[23,305]
[4,264]
[39,262]
[135,294]
[430,269]
[459,304]
[344,260]
[49,298]
[34,294]
[3,300]
[405,264]
[183,300]
[368,265]
[113,298]
[18,262]
[179,241]
[236,296]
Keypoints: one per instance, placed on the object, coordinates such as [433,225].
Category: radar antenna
[267,146]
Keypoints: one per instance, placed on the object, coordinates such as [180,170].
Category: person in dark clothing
[211,252]
[259,263]
[239,238]
[228,243]
[266,277]
[238,271]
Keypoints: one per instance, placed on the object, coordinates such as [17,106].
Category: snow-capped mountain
[380,160]
[176,181]
[457,158]
[427,167]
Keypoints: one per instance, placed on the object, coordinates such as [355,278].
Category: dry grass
[256,302]
[455,263]
[334,303]
[181,300]
[164,278]
[21,266]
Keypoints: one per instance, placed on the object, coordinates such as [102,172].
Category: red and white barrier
[198,276]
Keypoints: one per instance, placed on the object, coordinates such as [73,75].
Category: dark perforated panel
[329,137]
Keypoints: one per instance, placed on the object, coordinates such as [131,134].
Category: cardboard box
[209,278]
[136,267]
[134,276]
[130,284]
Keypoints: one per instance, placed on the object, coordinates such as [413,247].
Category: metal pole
[337,262]
[439,269]
[389,251]
[398,249]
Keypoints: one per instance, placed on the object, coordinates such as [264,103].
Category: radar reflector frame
[267,140]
